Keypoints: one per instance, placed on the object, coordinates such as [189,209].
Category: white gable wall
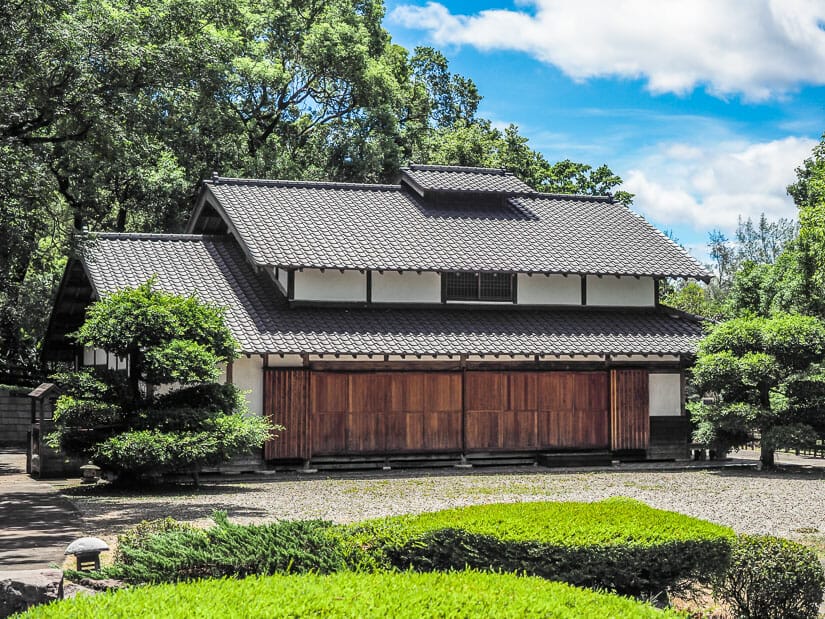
[406,287]
[549,290]
[330,285]
[621,291]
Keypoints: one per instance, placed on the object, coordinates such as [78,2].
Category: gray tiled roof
[451,178]
[385,227]
[214,268]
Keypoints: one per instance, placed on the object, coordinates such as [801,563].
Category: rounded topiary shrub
[771,578]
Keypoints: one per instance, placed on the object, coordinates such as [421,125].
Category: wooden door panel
[329,433]
[573,410]
[330,392]
[480,430]
[286,403]
[629,414]
[486,391]
[386,412]
[366,433]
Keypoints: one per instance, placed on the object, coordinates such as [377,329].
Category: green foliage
[165,552]
[93,383]
[763,374]
[166,338]
[137,537]
[371,596]
[217,440]
[618,544]
[478,143]
[135,320]
[772,578]
[112,113]
[692,297]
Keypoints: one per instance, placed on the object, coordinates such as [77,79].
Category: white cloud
[757,48]
[711,186]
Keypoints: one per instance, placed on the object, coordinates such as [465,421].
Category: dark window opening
[478,286]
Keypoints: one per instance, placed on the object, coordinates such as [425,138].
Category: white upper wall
[549,290]
[622,291]
[406,287]
[665,394]
[330,285]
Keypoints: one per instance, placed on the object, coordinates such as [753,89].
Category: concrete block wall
[15,418]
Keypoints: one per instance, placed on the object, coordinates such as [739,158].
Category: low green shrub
[167,552]
[618,544]
[772,578]
[349,594]
[139,535]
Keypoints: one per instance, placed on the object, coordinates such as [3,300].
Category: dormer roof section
[480,220]
[431,179]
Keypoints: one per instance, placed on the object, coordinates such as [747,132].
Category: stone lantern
[87,550]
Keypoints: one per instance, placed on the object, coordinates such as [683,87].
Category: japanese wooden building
[457,315]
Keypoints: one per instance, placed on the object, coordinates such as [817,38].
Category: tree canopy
[116,419]
[765,377]
[112,113]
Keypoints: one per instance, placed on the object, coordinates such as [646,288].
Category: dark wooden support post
[584,289]
[514,285]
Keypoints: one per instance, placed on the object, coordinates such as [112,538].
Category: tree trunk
[766,456]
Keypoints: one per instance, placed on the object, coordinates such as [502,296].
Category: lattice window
[478,286]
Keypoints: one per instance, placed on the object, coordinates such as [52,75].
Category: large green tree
[116,419]
[111,113]
[764,377]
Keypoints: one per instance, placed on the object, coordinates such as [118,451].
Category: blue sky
[704,107]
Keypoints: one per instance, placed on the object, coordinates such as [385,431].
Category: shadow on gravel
[118,517]
[781,472]
[103,490]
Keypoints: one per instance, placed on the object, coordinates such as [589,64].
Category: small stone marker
[87,550]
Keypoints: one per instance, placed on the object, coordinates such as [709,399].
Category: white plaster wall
[549,290]
[248,376]
[286,361]
[117,363]
[665,395]
[645,358]
[282,277]
[406,287]
[330,285]
[623,291]
[94,356]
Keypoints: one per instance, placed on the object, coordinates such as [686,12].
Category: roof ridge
[220,180]
[450,168]
[564,196]
[150,236]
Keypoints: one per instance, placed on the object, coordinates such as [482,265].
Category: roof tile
[215,270]
[383,227]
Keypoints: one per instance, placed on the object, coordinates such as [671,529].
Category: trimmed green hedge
[618,544]
[348,594]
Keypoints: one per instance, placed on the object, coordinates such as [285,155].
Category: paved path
[36,523]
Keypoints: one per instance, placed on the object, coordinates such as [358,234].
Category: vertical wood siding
[386,412]
[286,402]
[351,413]
[629,415]
[536,410]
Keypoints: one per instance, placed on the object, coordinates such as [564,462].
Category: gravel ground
[789,502]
